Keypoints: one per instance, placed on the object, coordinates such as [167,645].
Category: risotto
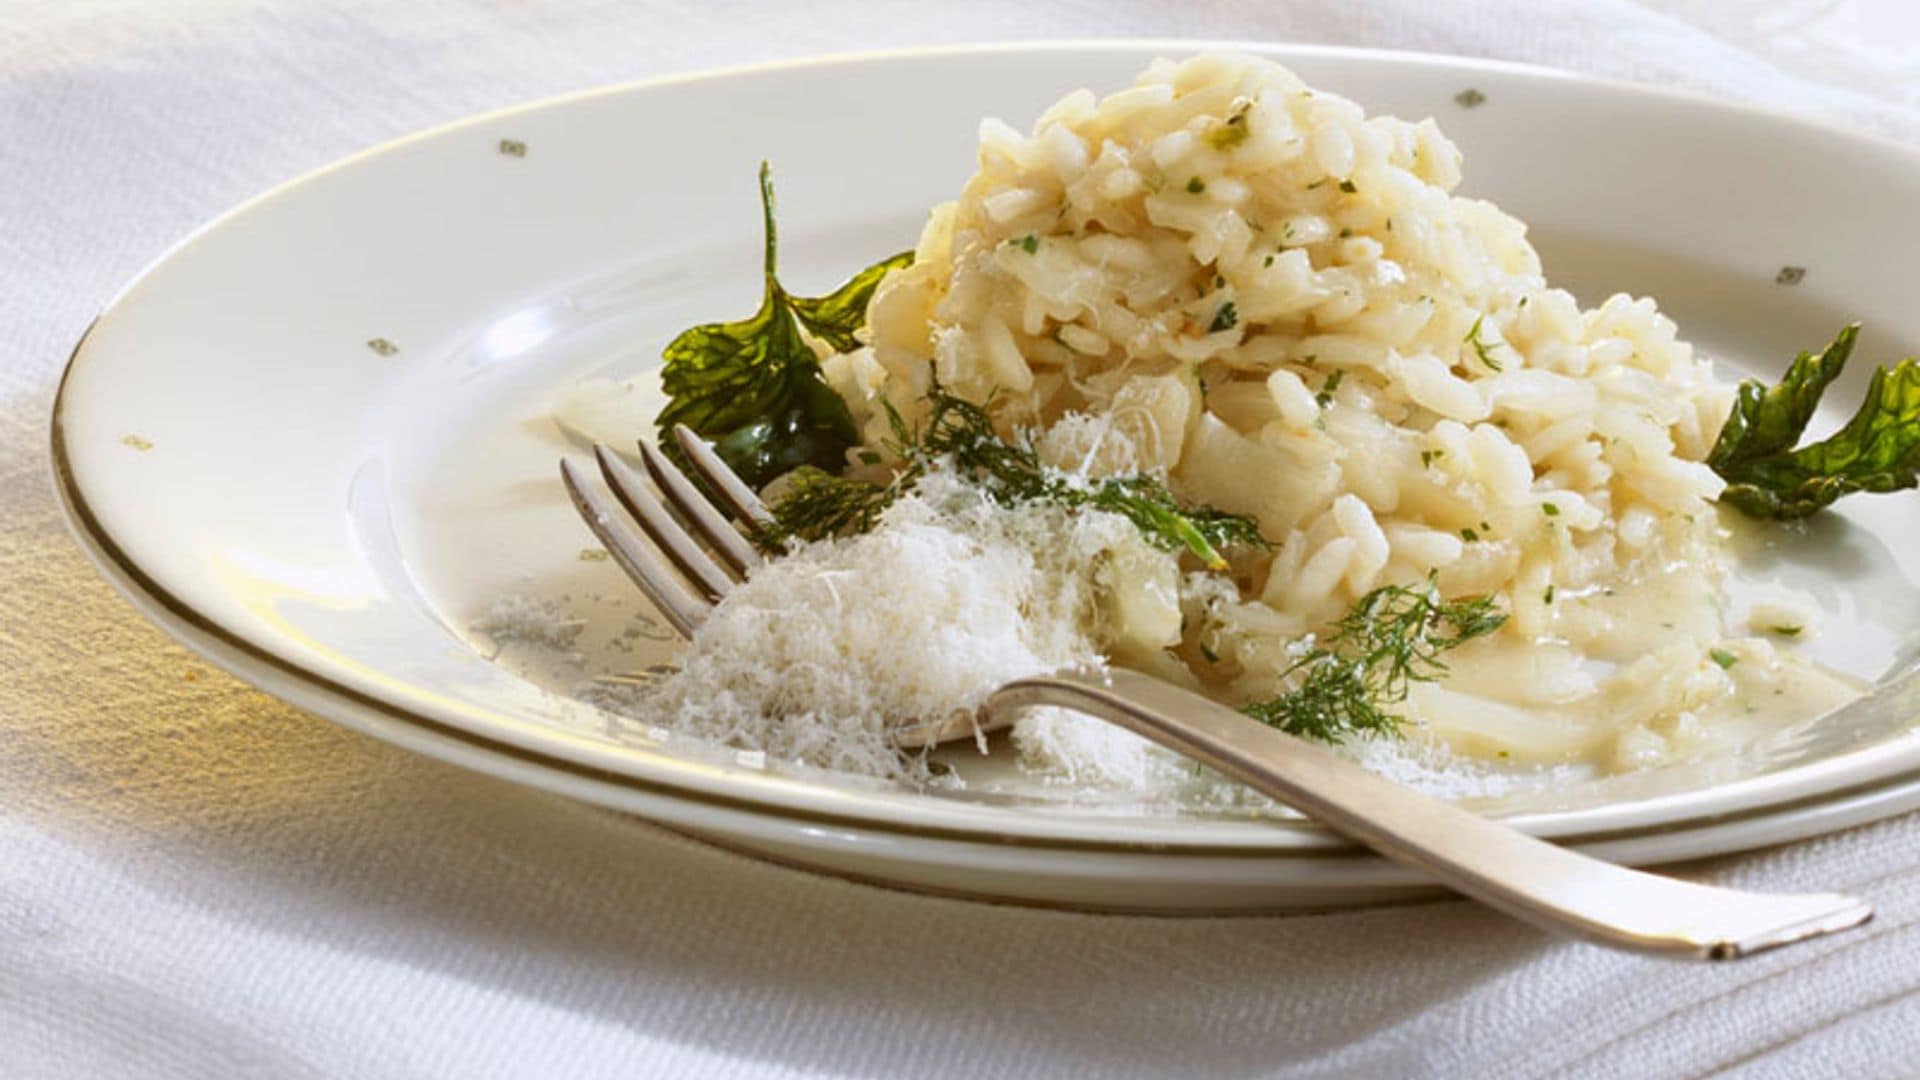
[1276,305]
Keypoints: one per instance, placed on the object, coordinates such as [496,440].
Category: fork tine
[734,491]
[680,607]
[667,534]
[693,509]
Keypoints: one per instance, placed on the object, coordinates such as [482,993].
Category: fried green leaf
[1877,451]
[1768,420]
[837,316]
[754,386]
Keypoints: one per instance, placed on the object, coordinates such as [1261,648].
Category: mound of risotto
[1222,288]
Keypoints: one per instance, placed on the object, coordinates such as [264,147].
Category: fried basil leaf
[755,386]
[1877,451]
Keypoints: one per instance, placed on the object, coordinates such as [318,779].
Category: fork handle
[1554,888]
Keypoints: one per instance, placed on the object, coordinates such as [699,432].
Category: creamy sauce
[1630,676]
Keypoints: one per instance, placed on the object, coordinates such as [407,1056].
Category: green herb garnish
[1232,133]
[1347,186]
[1878,450]
[1325,397]
[1722,657]
[1481,348]
[1391,638]
[1028,243]
[754,386]
[1195,185]
[1226,318]
[960,432]
[814,504]
[1786,631]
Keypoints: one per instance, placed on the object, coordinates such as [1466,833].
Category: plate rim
[264,669]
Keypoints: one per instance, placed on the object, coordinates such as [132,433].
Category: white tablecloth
[197,881]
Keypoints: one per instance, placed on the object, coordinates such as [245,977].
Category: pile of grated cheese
[822,655]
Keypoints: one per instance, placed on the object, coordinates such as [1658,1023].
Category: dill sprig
[814,503]
[960,432]
[1391,638]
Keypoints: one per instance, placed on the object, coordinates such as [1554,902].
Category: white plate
[311,441]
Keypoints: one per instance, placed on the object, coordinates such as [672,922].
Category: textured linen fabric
[198,881]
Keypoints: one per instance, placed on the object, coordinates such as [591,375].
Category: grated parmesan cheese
[820,656]
[514,620]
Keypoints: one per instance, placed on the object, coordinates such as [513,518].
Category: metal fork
[1551,887]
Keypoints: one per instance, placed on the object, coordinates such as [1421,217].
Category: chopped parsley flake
[1196,185]
[1724,658]
[1224,319]
[1029,243]
[1325,396]
[1347,186]
[1550,509]
[1481,348]
[1232,133]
